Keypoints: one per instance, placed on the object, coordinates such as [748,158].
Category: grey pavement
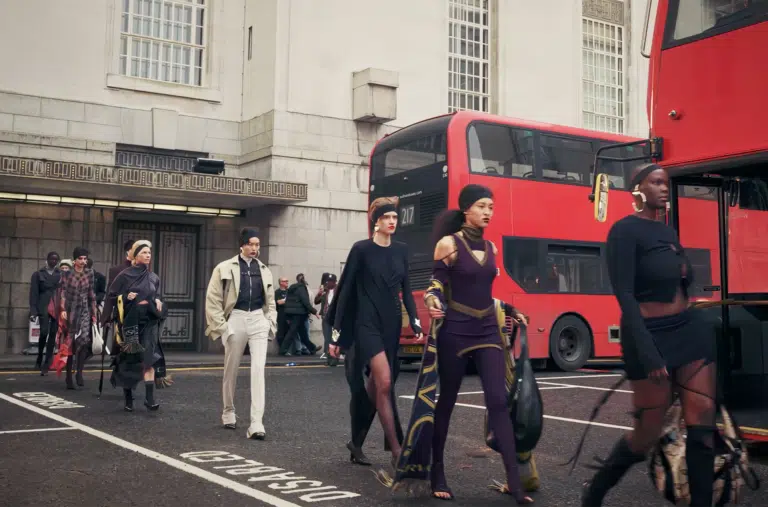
[181,454]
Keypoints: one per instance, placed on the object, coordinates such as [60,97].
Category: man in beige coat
[240,309]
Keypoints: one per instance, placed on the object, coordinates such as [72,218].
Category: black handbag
[526,408]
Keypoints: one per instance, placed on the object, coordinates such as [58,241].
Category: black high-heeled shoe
[357,456]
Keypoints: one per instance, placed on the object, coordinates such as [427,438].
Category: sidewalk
[11,362]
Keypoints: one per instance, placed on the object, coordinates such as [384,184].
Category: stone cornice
[148,178]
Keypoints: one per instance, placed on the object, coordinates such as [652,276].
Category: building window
[603,76]
[163,40]
[468,55]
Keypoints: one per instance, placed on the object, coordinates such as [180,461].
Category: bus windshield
[689,19]
[412,164]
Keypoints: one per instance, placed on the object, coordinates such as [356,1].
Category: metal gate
[174,259]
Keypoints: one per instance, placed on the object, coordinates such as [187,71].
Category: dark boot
[70,384]
[80,365]
[700,459]
[150,401]
[128,394]
[357,456]
[610,473]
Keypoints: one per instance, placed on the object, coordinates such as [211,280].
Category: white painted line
[171,462]
[583,387]
[554,418]
[580,377]
[9,432]
[558,386]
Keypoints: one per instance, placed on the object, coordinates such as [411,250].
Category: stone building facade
[106,106]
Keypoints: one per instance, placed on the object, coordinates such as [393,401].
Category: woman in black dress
[366,316]
[666,344]
[135,297]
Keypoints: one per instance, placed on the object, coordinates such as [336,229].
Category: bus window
[417,154]
[747,230]
[575,269]
[522,261]
[567,160]
[701,261]
[500,150]
[695,19]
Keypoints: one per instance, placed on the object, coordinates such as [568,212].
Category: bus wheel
[570,343]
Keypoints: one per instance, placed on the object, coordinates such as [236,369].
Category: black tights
[695,384]
[492,370]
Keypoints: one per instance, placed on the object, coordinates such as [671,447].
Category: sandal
[439,484]
[520,497]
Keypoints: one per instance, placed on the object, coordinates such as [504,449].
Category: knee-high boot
[700,459]
[70,384]
[610,473]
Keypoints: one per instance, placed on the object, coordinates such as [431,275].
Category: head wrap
[471,194]
[642,174]
[138,247]
[246,235]
[382,210]
[79,252]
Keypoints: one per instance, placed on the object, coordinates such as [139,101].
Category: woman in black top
[366,316]
[666,344]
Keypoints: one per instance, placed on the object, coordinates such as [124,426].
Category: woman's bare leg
[696,385]
[651,400]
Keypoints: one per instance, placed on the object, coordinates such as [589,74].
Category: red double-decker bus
[551,252]
[706,106]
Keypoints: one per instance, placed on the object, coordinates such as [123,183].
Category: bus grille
[431,205]
[420,278]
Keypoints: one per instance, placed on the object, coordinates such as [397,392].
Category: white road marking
[9,432]
[579,377]
[583,387]
[553,417]
[162,458]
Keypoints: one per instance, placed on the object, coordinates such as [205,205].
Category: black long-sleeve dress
[367,311]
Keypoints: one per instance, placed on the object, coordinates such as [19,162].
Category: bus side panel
[598,312]
[717,115]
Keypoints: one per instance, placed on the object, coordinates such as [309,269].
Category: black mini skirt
[680,339]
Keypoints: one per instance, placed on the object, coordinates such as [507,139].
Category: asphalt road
[71,448]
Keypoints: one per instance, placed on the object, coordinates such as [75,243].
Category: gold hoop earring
[637,193]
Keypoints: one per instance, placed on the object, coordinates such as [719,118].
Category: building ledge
[66,179]
[137,84]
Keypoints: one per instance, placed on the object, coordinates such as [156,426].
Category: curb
[270,362]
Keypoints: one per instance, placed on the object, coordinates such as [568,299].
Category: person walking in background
[117,268]
[324,298]
[240,309]
[297,310]
[136,293]
[42,288]
[281,293]
[76,318]
[100,283]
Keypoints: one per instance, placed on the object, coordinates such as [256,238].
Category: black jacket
[99,286]
[297,301]
[41,288]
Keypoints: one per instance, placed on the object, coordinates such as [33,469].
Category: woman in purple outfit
[465,260]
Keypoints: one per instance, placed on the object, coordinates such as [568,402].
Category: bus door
[718,216]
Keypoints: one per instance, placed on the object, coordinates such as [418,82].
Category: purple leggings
[491,368]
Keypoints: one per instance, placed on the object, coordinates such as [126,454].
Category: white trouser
[251,328]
